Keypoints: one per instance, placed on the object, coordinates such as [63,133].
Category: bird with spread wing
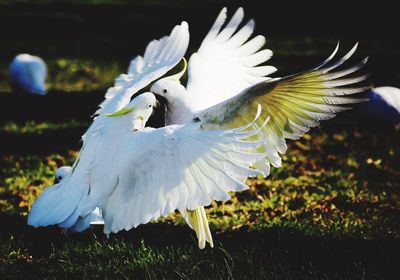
[227,82]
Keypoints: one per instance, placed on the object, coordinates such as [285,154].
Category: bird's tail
[57,204]
[197,220]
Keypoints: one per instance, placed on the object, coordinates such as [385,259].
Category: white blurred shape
[28,73]
[390,95]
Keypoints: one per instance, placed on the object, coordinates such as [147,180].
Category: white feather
[224,64]
[172,168]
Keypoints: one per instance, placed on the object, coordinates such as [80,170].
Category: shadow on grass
[164,250]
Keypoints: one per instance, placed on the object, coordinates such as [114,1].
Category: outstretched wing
[294,104]
[227,62]
[160,56]
[177,167]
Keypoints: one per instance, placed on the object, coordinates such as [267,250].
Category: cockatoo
[28,73]
[58,203]
[94,218]
[138,174]
[226,84]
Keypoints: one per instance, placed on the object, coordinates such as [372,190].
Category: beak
[121,112]
[56,181]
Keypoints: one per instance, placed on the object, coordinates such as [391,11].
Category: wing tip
[184,24]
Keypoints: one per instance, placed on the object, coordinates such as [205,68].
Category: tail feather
[197,220]
[56,204]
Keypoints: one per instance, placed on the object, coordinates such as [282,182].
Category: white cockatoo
[94,218]
[28,73]
[59,203]
[226,83]
[138,174]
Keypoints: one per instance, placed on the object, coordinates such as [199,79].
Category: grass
[335,197]
[122,257]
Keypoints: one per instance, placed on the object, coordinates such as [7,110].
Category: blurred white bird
[94,218]
[390,95]
[384,102]
[27,73]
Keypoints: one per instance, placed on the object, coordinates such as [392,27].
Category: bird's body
[28,73]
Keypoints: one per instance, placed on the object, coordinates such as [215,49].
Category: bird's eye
[150,105]
[59,178]
[165,90]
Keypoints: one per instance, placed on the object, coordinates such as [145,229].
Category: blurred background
[86,44]
[332,208]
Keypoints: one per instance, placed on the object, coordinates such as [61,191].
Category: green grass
[231,259]
[337,188]
[330,183]
[38,128]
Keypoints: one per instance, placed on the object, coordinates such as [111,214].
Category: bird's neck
[179,109]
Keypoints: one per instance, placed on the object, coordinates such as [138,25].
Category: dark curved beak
[56,181]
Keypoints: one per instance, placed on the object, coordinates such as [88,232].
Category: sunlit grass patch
[82,74]
[25,177]
[34,127]
[329,184]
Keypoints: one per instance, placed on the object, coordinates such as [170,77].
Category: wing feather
[294,104]
[177,168]
[226,62]
[159,57]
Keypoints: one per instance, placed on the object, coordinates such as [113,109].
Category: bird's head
[138,111]
[62,173]
[170,87]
